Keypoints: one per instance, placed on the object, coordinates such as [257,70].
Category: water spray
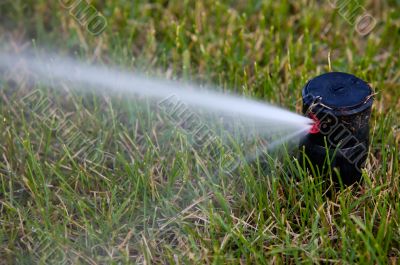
[211,120]
[340,106]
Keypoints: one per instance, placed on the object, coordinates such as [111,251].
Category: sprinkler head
[340,106]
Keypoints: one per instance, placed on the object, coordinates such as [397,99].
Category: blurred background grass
[152,203]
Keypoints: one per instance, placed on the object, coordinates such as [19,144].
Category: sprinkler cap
[340,93]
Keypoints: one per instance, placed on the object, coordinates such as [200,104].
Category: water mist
[242,117]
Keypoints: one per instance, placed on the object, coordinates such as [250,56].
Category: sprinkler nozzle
[315,125]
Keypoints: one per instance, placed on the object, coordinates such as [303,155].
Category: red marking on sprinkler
[315,127]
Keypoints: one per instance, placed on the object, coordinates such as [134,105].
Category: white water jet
[264,119]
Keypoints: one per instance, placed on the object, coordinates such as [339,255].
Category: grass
[117,183]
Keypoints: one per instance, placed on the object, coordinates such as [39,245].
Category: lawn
[89,178]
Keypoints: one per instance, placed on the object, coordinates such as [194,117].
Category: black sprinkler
[340,105]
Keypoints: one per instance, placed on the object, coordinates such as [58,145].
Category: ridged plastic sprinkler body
[340,105]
